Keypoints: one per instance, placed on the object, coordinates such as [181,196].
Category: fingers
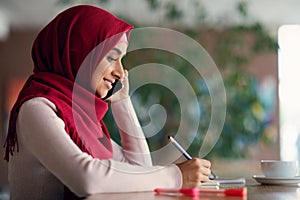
[203,169]
[125,76]
[124,92]
[125,72]
[194,172]
[124,79]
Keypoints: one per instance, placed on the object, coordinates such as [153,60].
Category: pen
[239,192]
[179,147]
[186,155]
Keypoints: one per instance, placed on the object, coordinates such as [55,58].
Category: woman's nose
[118,71]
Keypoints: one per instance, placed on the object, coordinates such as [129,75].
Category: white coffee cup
[279,168]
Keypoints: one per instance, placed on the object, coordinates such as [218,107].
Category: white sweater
[48,159]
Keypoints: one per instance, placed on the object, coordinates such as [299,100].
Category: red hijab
[65,55]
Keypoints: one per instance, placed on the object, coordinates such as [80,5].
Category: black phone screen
[116,86]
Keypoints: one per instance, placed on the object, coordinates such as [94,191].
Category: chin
[103,95]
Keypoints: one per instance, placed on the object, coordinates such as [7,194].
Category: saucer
[277,180]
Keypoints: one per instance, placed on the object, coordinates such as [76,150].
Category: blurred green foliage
[233,48]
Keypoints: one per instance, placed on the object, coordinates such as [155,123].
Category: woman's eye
[111,59]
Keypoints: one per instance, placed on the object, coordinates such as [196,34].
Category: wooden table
[255,192]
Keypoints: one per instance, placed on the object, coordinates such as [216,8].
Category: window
[289,93]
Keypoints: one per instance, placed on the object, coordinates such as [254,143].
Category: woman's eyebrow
[117,50]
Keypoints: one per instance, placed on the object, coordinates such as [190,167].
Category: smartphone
[116,86]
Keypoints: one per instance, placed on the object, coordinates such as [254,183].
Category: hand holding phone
[116,86]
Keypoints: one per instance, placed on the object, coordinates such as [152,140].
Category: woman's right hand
[194,172]
[124,92]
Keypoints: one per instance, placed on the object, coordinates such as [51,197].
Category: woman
[62,145]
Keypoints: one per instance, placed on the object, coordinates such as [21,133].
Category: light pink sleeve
[42,132]
[134,148]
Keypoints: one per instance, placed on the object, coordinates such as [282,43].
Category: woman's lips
[108,83]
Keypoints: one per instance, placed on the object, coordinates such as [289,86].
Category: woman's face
[110,68]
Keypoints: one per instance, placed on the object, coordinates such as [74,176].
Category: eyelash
[111,59]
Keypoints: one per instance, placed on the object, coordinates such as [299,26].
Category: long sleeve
[134,145]
[42,133]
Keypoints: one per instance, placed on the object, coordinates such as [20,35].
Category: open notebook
[224,183]
[230,182]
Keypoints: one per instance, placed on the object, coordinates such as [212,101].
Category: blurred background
[253,43]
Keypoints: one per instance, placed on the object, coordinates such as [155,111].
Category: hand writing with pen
[195,170]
